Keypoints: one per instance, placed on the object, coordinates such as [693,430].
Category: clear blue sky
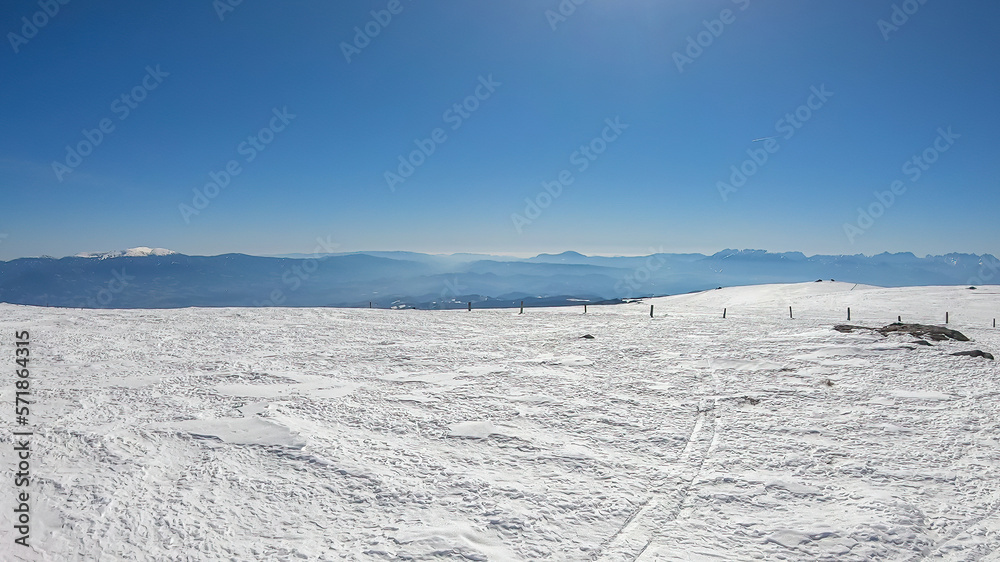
[655,186]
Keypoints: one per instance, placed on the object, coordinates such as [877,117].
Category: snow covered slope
[356,434]
[138,252]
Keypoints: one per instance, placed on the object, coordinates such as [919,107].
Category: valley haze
[159,278]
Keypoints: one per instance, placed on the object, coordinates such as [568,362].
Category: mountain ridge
[159,278]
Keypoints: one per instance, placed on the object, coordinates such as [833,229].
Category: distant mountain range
[159,278]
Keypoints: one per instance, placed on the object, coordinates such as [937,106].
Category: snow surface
[138,252]
[357,434]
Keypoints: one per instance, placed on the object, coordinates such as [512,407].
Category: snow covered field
[335,434]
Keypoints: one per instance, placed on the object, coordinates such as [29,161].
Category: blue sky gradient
[555,83]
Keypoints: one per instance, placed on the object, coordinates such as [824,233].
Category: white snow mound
[137,252]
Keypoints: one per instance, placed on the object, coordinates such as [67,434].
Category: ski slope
[356,434]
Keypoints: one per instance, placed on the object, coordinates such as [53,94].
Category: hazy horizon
[520,255]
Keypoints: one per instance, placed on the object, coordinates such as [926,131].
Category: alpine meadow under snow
[356,434]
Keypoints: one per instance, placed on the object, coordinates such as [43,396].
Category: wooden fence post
[650,311]
[848,314]
[790,313]
[723,312]
[945,317]
[470,307]
[584,309]
[522,308]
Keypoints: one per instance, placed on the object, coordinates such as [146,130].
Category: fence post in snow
[650,311]
[369,304]
[584,309]
[790,313]
[899,319]
[522,308]
[470,307]
[848,314]
[945,317]
[723,312]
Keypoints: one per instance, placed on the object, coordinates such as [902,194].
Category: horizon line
[516,255]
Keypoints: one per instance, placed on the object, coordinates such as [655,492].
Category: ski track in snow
[336,434]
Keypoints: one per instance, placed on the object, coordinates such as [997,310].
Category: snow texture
[356,434]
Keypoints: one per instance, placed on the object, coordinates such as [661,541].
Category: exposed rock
[921,342]
[936,333]
[975,353]
[587,337]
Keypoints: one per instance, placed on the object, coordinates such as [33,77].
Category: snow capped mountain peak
[138,252]
[758,255]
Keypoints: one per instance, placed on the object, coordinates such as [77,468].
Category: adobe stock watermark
[563,11]
[456,115]
[898,17]
[786,127]
[225,7]
[642,274]
[38,20]
[581,158]
[913,169]
[249,149]
[294,276]
[983,276]
[697,43]
[105,296]
[364,34]
[122,107]
[452,289]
